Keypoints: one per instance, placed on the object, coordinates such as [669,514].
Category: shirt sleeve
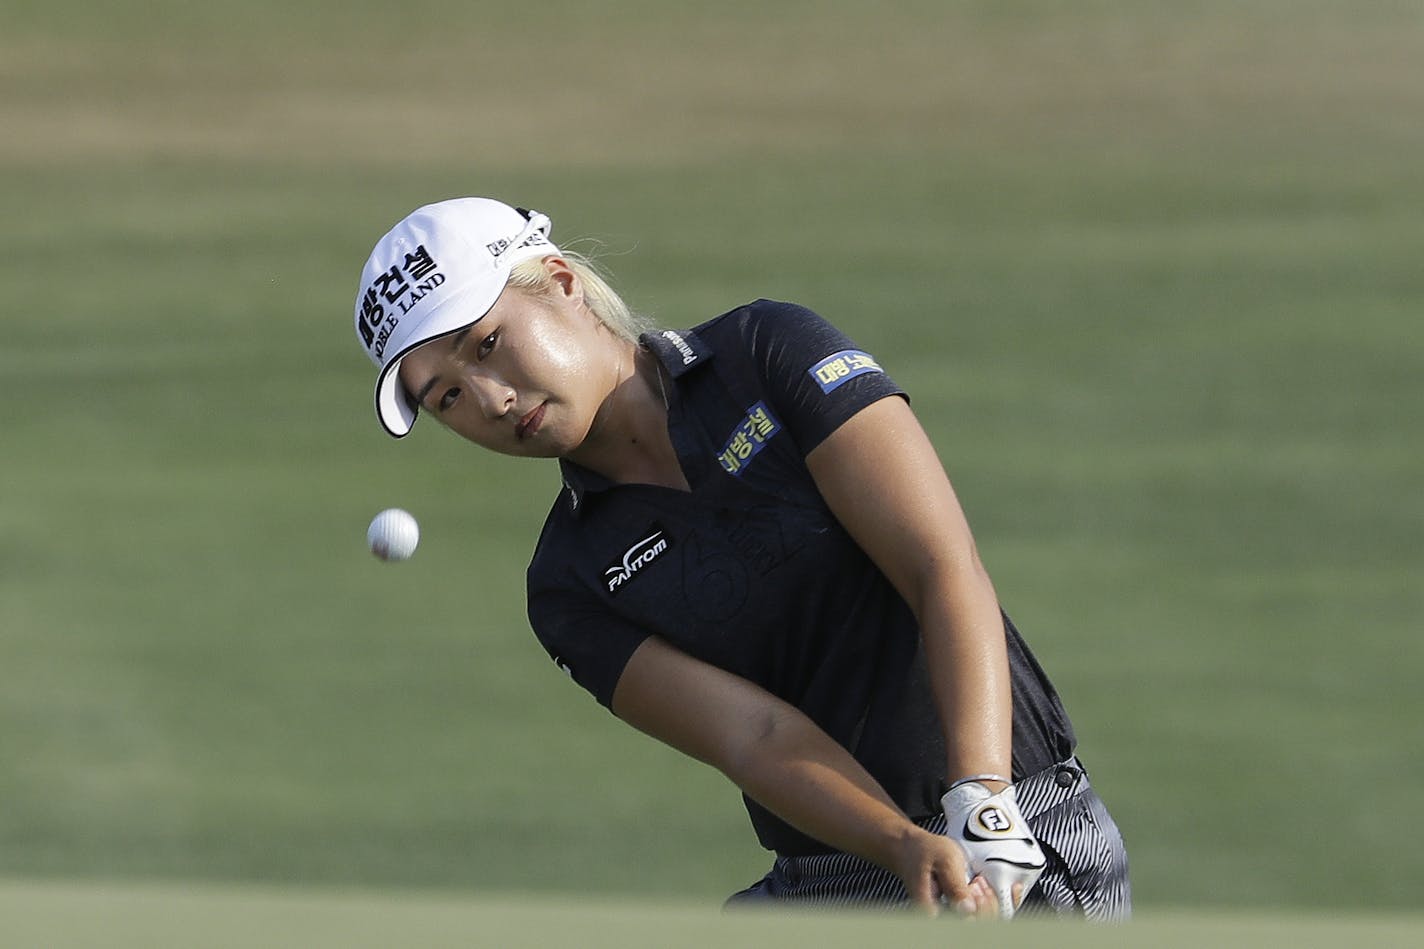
[587,641]
[816,376]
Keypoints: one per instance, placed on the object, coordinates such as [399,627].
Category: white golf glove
[995,838]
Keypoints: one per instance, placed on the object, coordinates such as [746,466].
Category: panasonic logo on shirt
[688,355]
[635,558]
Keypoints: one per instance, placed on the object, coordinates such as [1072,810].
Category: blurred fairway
[1151,271]
[155,917]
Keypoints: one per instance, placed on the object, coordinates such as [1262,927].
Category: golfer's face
[528,379]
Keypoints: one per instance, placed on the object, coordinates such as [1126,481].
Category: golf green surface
[1149,270]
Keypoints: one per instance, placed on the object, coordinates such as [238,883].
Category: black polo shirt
[751,572]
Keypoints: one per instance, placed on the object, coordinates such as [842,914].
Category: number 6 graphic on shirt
[714,582]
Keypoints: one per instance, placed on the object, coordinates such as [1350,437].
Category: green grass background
[1151,270]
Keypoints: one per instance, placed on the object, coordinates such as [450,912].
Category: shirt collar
[678,351]
[578,480]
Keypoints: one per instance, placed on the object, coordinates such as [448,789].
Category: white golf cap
[439,270]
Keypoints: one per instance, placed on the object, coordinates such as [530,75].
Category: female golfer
[756,558]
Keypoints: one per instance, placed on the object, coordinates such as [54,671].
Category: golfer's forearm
[963,633]
[798,773]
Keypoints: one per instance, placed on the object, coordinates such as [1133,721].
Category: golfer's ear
[564,278]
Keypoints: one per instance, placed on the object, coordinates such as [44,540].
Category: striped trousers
[1086,874]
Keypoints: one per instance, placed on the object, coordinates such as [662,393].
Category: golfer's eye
[448,398]
[487,344]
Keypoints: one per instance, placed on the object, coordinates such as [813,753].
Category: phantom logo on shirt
[635,558]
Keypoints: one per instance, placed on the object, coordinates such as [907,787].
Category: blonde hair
[602,299]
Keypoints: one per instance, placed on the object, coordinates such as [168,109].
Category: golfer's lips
[530,423]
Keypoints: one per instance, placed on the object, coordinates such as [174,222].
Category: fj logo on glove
[994,820]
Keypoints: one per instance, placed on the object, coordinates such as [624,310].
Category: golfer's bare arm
[781,759]
[882,479]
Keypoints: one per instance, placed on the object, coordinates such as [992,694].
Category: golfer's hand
[996,839]
[935,872]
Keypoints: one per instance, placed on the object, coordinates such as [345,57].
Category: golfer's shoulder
[767,329]
[760,316]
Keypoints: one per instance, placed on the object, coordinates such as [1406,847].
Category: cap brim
[395,407]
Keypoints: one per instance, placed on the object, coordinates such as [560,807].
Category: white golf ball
[393,534]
